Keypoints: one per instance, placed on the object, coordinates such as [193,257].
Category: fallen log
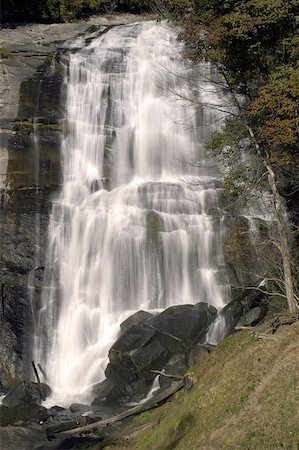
[138,409]
[159,372]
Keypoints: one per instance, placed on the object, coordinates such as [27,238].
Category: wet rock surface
[24,414]
[180,327]
[173,370]
[252,317]
[26,392]
[26,438]
[141,352]
[249,307]
[137,318]
[23,234]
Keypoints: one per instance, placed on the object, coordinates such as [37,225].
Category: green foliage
[248,37]
[256,44]
[229,145]
[275,109]
[65,10]
[226,143]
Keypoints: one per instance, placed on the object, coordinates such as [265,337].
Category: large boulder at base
[137,318]
[180,327]
[79,408]
[234,310]
[146,346]
[252,317]
[106,392]
[231,314]
[134,338]
[24,413]
[26,392]
[130,365]
[17,438]
[135,391]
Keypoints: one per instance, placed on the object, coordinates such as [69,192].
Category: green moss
[5,54]
[238,248]
[154,223]
[49,58]
[8,380]
[26,127]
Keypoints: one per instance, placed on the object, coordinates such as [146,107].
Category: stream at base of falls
[137,224]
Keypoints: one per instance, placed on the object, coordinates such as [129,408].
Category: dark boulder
[137,318]
[252,317]
[106,392]
[130,341]
[79,408]
[57,410]
[132,354]
[137,390]
[17,438]
[134,357]
[60,426]
[147,345]
[180,327]
[136,363]
[26,392]
[24,413]
[251,299]
[101,389]
[234,310]
[176,368]
[231,314]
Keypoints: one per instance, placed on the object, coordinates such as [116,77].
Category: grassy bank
[245,396]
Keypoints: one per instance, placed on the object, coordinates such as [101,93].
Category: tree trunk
[283,230]
[282,221]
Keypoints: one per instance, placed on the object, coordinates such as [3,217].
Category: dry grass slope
[245,396]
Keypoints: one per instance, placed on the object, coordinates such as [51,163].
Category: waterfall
[137,223]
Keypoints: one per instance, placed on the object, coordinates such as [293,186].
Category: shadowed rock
[26,392]
[137,318]
[179,327]
[252,317]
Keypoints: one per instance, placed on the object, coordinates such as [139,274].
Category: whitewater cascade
[137,223]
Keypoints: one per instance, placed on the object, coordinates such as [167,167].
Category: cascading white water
[134,226]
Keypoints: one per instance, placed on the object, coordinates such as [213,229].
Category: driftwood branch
[147,405]
[35,372]
[40,386]
[266,330]
[279,320]
[238,328]
[177,377]
[265,336]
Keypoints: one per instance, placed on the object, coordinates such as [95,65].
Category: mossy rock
[5,53]
[154,223]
